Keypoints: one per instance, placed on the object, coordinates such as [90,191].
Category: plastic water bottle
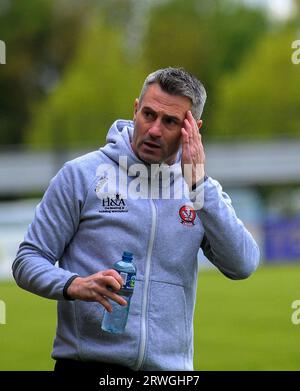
[115,321]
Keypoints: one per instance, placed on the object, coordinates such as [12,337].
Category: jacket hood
[118,142]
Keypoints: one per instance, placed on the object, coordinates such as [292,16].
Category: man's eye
[148,114]
[170,121]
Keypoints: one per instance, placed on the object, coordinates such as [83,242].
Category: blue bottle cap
[127,256]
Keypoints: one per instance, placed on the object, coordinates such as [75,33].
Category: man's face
[158,120]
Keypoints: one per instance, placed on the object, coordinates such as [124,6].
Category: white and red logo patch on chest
[187,214]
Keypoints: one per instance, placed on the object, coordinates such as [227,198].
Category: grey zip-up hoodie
[85,234]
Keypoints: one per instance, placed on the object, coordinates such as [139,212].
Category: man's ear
[136,107]
[199,123]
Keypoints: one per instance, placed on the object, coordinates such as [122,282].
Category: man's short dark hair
[177,81]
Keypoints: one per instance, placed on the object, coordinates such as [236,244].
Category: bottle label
[128,280]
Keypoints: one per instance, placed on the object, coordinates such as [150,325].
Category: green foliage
[208,38]
[99,86]
[72,69]
[28,20]
[262,99]
[39,42]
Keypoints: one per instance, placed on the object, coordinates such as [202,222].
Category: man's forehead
[159,100]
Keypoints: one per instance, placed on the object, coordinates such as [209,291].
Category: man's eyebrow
[148,108]
[173,117]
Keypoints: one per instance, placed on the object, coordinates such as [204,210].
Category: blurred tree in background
[99,86]
[208,38]
[262,99]
[74,67]
[40,37]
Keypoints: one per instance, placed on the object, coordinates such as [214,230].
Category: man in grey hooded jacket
[76,226]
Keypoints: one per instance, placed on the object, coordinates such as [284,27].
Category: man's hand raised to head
[193,157]
[98,287]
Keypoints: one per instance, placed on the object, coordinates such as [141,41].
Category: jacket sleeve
[55,222]
[226,243]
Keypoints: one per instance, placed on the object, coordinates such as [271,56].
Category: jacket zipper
[145,296]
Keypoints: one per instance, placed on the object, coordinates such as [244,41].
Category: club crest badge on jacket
[187,214]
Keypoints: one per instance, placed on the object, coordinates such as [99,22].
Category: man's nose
[156,128]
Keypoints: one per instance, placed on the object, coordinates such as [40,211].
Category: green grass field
[239,325]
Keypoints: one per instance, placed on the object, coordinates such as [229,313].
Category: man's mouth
[151,144]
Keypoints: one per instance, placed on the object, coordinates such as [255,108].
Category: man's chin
[149,159]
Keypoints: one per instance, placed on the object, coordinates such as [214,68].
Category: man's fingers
[117,298]
[100,287]
[185,136]
[186,152]
[193,125]
[106,287]
[102,295]
[188,127]
[109,281]
[113,276]
[103,301]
